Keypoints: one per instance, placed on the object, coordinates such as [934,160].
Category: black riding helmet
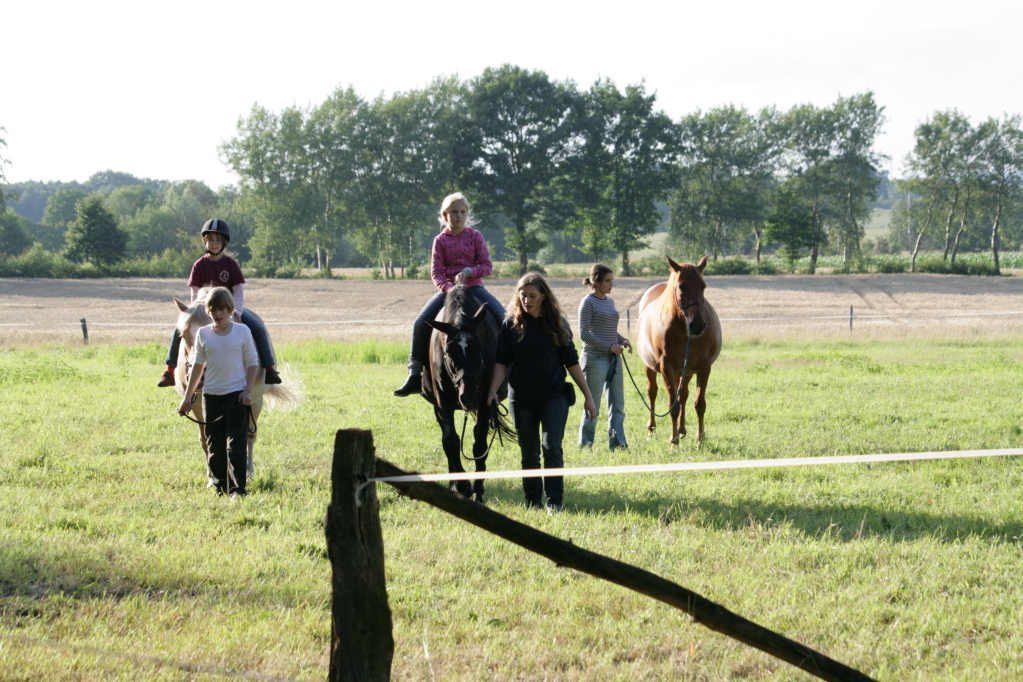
[219,226]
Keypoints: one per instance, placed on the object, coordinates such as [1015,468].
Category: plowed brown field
[141,310]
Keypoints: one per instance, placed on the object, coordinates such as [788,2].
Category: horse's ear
[181,306]
[442,327]
[674,266]
[702,264]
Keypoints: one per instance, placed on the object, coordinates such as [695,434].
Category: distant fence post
[850,318]
[85,331]
[628,321]
[361,640]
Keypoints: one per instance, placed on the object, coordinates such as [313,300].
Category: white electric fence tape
[401,320]
[703,466]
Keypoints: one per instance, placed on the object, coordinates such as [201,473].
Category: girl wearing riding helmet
[460,256]
[217,269]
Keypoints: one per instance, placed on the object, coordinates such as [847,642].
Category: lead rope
[678,391]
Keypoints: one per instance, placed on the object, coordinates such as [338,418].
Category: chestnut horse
[675,321]
[285,395]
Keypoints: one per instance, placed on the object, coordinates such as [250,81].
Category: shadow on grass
[842,523]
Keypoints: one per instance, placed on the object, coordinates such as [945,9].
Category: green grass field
[116,562]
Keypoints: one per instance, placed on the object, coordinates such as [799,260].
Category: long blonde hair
[470,219]
[554,322]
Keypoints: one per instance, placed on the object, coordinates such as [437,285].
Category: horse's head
[463,357]
[686,284]
[192,317]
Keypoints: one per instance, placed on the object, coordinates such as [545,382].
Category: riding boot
[167,379]
[413,384]
[271,376]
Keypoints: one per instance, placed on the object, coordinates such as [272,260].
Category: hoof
[478,498]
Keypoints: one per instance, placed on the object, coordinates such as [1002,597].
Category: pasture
[117,563]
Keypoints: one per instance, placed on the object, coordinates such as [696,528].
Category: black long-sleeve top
[537,365]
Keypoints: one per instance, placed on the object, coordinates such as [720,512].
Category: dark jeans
[259,337]
[541,429]
[226,440]
[421,331]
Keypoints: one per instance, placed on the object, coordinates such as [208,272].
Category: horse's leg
[197,414]
[250,441]
[479,448]
[452,447]
[677,393]
[651,395]
[701,401]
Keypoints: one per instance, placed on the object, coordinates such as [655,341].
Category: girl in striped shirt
[602,346]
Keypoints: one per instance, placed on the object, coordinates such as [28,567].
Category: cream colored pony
[285,395]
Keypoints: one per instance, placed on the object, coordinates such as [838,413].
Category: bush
[259,267]
[767,267]
[652,266]
[729,266]
[535,267]
[963,266]
[890,265]
[288,271]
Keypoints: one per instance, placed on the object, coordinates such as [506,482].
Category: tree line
[586,172]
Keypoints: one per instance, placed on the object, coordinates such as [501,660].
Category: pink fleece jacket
[452,253]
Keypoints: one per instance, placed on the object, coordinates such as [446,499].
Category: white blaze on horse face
[464,343]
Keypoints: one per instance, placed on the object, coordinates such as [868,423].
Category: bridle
[676,296]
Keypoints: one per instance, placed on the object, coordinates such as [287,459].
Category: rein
[678,391]
[495,421]
[248,408]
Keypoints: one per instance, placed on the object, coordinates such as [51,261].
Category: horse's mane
[195,313]
[460,305]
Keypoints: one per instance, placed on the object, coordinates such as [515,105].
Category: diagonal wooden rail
[703,611]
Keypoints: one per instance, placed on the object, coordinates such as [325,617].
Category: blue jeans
[604,376]
[421,331]
[259,338]
[541,428]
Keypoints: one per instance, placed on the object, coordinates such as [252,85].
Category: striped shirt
[598,325]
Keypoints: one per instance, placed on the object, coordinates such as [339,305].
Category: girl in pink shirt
[460,256]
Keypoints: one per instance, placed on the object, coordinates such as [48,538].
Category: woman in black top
[534,349]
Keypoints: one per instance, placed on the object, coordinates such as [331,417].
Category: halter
[677,298]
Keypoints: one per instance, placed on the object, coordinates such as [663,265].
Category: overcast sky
[152,89]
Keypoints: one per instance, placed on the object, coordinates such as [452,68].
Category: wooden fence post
[361,641]
[85,332]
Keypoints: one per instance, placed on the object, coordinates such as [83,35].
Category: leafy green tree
[791,221]
[94,235]
[521,127]
[854,168]
[728,160]
[125,202]
[627,166]
[14,238]
[271,155]
[1002,159]
[810,134]
[5,194]
[405,166]
[945,165]
[61,210]
[336,135]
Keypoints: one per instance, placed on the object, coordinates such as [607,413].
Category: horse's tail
[288,394]
[499,423]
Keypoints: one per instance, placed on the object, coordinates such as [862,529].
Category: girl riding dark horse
[457,377]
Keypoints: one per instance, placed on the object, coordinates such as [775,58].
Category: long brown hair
[554,322]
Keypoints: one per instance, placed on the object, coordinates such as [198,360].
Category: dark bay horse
[674,315]
[457,377]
